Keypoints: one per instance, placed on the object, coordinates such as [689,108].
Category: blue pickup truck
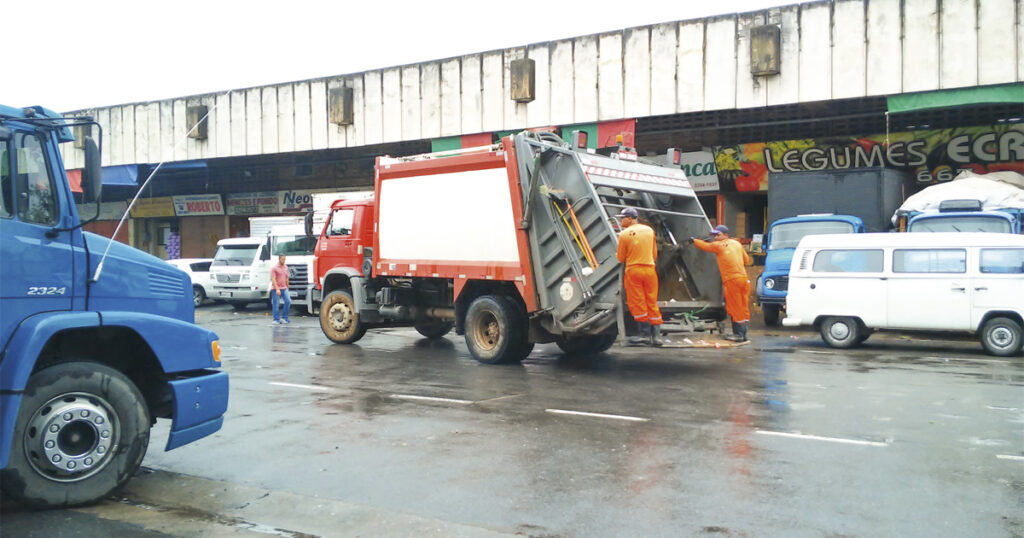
[780,243]
[97,339]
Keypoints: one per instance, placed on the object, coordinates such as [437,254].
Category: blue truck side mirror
[92,180]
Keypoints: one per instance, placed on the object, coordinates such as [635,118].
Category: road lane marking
[597,415]
[498,398]
[430,399]
[1010,457]
[965,359]
[307,387]
[820,438]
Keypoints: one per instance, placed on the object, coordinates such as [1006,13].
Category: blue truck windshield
[788,235]
[962,224]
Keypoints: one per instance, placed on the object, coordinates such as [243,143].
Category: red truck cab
[346,241]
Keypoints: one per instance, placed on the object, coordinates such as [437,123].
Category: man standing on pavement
[279,289]
[732,261]
[638,250]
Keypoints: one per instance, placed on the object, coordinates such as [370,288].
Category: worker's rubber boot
[742,326]
[643,338]
[735,336]
[656,335]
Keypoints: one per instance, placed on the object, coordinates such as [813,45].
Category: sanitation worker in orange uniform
[638,250]
[732,259]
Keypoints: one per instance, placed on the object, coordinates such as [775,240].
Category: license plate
[293,294]
[226,294]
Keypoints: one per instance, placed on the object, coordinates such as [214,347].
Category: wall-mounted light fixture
[524,80]
[195,116]
[765,44]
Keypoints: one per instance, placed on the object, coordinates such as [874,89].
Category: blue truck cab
[97,339]
[780,243]
[966,216]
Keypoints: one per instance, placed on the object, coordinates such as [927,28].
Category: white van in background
[241,271]
[847,286]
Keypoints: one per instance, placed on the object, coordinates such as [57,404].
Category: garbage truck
[97,339]
[511,244]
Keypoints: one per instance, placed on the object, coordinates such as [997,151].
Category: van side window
[929,261]
[1002,260]
[848,261]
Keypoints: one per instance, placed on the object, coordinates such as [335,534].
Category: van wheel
[1001,337]
[771,314]
[338,318]
[433,328]
[198,296]
[81,431]
[494,330]
[841,332]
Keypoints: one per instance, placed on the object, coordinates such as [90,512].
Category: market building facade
[928,87]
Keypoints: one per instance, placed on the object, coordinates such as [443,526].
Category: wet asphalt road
[402,436]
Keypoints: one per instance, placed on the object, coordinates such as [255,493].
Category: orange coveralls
[638,250]
[731,261]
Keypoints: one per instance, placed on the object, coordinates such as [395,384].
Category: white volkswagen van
[850,285]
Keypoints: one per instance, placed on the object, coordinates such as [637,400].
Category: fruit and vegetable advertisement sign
[932,155]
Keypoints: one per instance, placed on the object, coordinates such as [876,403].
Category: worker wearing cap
[732,259]
[638,250]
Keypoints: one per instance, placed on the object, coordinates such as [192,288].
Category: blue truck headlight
[769,283]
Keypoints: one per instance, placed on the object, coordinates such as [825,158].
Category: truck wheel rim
[839,331]
[71,437]
[340,317]
[487,331]
[1001,337]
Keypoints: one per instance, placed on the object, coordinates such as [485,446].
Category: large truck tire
[198,296]
[81,432]
[1001,337]
[841,332]
[494,330]
[433,328]
[525,345]
[339,319]
[587,345]
[771,314]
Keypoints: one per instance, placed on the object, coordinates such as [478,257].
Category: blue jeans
[274,299]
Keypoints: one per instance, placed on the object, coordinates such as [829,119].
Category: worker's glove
[690,241]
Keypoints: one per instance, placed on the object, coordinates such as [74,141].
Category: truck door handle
[980,289]
[958,289]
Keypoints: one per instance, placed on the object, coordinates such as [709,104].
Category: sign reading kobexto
[195,205]
[699,167]
[933,155]
[253,203]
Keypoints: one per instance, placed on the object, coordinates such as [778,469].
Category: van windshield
[789,235]
[293,245]
[962,224]
[235,255]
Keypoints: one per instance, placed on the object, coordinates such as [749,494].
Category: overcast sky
[70,55]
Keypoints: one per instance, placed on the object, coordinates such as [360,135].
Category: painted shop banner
[699,167]
[197,205]
[932,155]
[162,206]
[252,203]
